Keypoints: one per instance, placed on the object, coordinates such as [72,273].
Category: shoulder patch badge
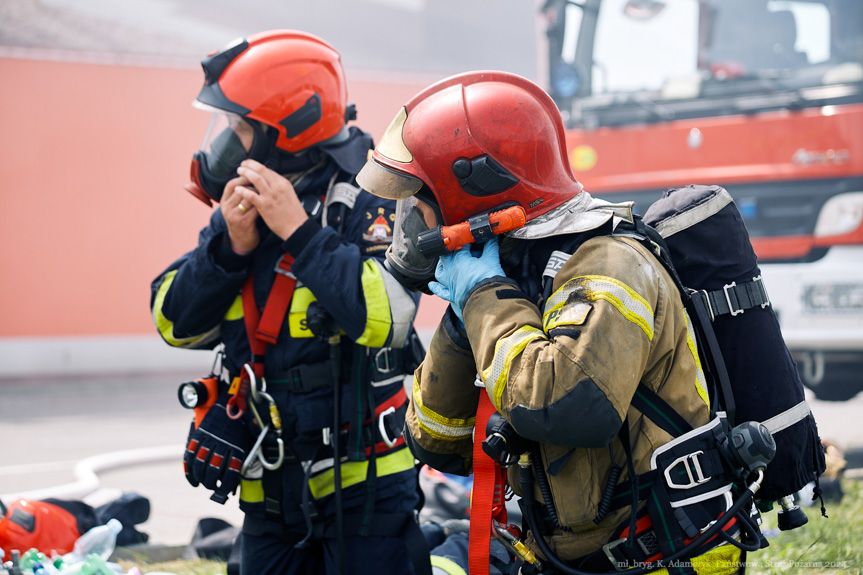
[380,231]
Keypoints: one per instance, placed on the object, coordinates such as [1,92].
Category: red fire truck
[763,97]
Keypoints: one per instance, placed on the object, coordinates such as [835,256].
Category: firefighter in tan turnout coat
[559,321]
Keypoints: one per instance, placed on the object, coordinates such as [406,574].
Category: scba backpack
[709,247]
[761,444]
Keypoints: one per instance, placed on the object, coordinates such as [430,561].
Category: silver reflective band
[787,418]
[555,262]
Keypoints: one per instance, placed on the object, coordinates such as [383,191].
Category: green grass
[180,567]
[823,546]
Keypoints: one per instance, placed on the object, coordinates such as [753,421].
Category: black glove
[216,451]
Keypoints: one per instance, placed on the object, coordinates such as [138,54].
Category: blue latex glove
[457,273]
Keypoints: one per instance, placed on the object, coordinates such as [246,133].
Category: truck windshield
[654,54]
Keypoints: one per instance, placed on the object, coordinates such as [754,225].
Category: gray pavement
[48,426]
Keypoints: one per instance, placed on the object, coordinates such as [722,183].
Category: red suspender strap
[263,329]
[277,302]
[486,501]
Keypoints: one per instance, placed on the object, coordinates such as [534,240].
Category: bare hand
[273,197]
[240,216]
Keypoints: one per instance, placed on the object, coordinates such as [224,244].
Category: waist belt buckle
[698,479]
[725,289]
[760,283]
[384,363]
[616,562]
[383,428]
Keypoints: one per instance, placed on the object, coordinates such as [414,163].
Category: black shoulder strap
[697,305]
[659,412]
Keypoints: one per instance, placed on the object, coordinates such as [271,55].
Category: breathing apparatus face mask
[403,258]
[229,140]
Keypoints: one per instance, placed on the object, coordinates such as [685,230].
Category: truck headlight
[841,214]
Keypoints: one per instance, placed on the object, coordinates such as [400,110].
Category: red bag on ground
[49,525]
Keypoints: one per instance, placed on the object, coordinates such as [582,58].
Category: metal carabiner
[275,418]
[256,448]
[256,452]
[279,460]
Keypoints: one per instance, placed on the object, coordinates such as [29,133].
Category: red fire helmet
[29,524]
[477,141]
[283,88]
[289,80]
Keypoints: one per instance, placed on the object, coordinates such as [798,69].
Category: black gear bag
[709,247]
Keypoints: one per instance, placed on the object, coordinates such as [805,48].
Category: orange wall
[93,158]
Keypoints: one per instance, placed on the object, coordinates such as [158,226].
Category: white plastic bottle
[100,540]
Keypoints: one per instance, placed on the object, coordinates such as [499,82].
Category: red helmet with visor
[282,90]
[468,145]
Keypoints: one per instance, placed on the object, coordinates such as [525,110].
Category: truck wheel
[841,381]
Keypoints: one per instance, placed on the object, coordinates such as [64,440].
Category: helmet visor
[383,182]
[229,140]
[404,253]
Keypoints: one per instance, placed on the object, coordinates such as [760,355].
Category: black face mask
[216,166]
[225,155]
[406,262]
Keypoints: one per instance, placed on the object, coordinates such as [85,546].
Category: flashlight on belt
[199,395]
[478,229]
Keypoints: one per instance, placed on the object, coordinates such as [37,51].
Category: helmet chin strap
[294,166]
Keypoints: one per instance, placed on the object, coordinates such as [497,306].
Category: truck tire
[841,381]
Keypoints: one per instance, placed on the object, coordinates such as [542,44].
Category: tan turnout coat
[564,376]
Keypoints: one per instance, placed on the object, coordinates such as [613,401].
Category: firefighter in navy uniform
[560,321]
[317,335]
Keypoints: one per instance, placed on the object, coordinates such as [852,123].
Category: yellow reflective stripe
[448,566]
[438,426]
[297,317]
[378,320]
[700,380]
[505,351]
[354,472]
[236,310]
[251,490]
[722,560]
[591,288]
[166,326]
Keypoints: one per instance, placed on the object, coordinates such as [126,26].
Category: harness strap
[488,482]
[302,378]
[709,349]
[262,329]
[735,298]
[659,411]
[647,548]
[359,407]
[277,302]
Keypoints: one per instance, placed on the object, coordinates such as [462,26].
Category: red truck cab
[762,97]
